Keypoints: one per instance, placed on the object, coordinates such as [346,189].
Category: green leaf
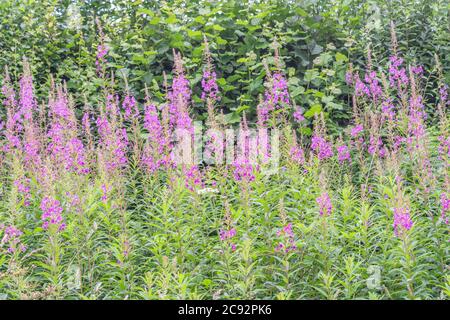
[315,109]
[194,34]
[218,28]
[341,57]
[171,19]
[146,12]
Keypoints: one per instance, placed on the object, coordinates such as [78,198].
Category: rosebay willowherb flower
[297,154]
[102,51]
[402,221]
[388,109]
[52,214]
[262,112]
[443,94]
[27,101]
[113,144]
[155,150]
[276,94]
[243,170]
[322,148]
[130,107]
[445,207]
[286,239]
[397,73]
[325,206]
[193,178]
[227,235]
[65,148]
[361,88]
[23,187]
[105,192]
[209,85]
[228,231]
[375,145]
[356,130]
[444,148]
[32,146]
[343,154]
[298,115]
[374,90]
[180,97]
[209,78]
[12,239]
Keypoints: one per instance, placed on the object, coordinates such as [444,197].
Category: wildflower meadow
[330,181]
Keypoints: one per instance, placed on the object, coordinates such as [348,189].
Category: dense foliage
[60,38]
[337,186]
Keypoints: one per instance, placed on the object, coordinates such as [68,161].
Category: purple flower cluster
[243,170]
[102,51]
[370,87]
[418,70]
[75,156]
[324,202]
[226,235]
[114,144]
[416,117]
[31,145]
[192,178]
[180,98]
[402,221]
[130,108]
[373,85]
[445,207]
[262,112]
[23,187]
[297,154]
[105,191]
[321,147]
[27,101]
[287,242]
[388,109]
[11,132]
[376,146]
[349,78]
[298,115]
[397,73]
[356,130]
[277,96]
[51,214]
[209,86]
[443,94]
[444,147]
[11,238]
[154,152]
[360,87]
[65,148]
[343,154]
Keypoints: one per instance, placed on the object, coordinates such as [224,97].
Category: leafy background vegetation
[60,38]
